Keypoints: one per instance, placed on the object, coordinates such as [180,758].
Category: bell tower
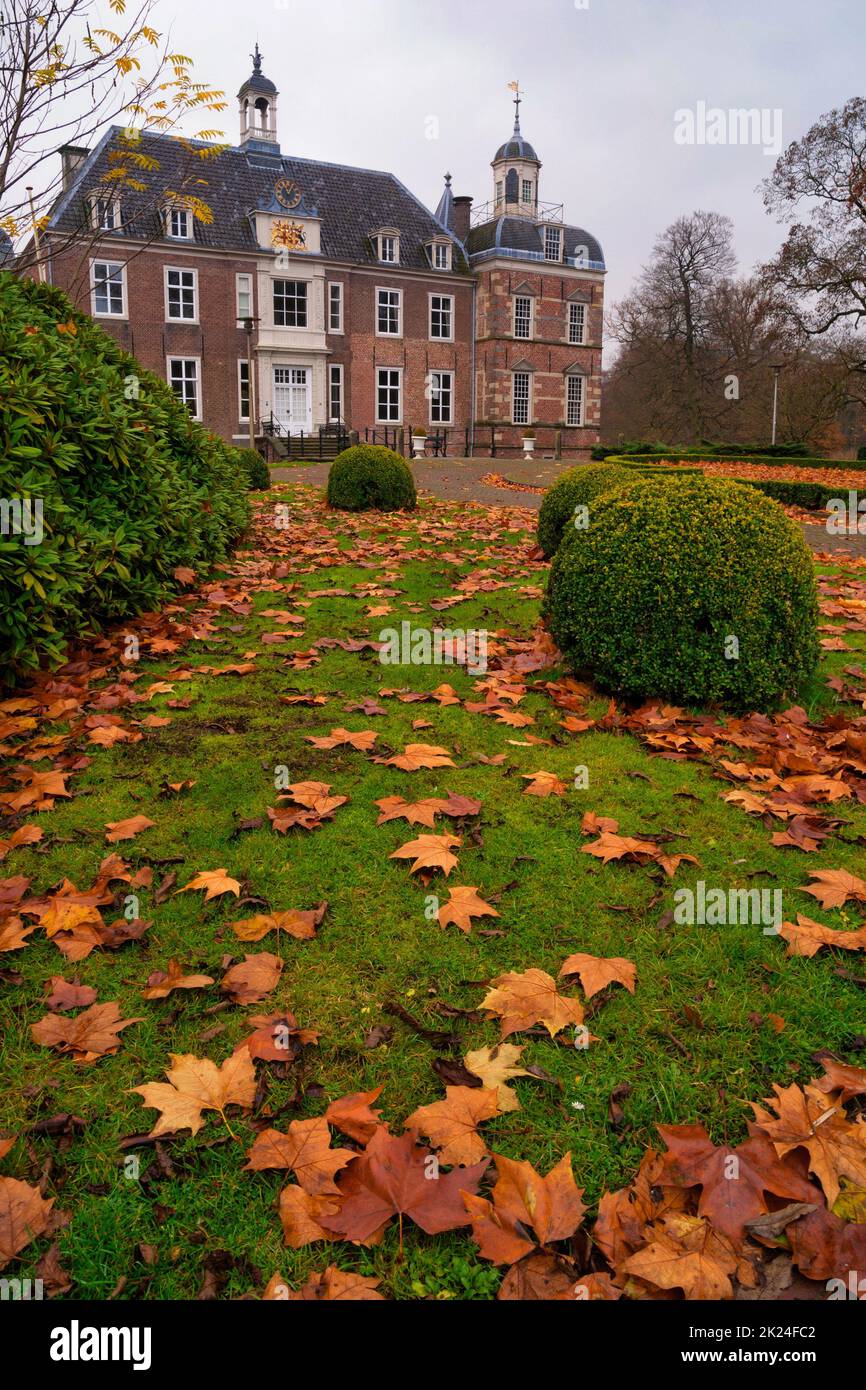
[516,168]
[257,104]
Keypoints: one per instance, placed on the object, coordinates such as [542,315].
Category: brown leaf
[306,1149]
[463,904]
[525,1209]
[89,1035]
[127,829]
[215,882]
[430,852]
[254,978]
[596,972]
[24,1215]
[161,983]
[451,1124]
[196,1084]
[522,1000]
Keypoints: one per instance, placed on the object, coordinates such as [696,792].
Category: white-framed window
[389,313]
[290,303]
[243,389]
[335,392]
[442,317]
[441,398]
[335,307]
[521,395]
[108,289]
[105,213]
[244,296]
[522,316]
[526,192]
[574,398]
[500,191]
[181,295]
[389,248]
[576,322]
[183,378]
[179,224]
[440,255]
[552,243]
[389,396]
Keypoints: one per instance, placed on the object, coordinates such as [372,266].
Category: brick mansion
[323,298]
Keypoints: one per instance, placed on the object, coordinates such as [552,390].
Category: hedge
[699,591]
[662,450]
[257,471]
[573,488]
[763,460]
[130,486]
[369,477]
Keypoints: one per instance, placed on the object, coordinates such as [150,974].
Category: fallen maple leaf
[301,925]
[306,1149]
[543,784]
[89,1035]
[495,1066]
[463,904]
[65,994]
[833,887]
[811,1120]
[363,741]
[392,1178]
[684,1252]
[253,978]
[418,755]
[451,1124]
[352,1114]
[127,829]
[161,983]
[196,1084]
[430,852]
[524,999]
[597,972]
[215,882]
[333,1285]
[522,1202]
[24,1215]
[805,937]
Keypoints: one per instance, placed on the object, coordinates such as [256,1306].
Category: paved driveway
[459,480]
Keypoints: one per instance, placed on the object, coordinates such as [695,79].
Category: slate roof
[521,234]
[352,203]
[516,148]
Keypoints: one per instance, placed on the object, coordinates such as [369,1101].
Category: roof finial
[447,180]
[518,97]
[257,59]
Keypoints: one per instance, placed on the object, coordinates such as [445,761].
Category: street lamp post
[777,367]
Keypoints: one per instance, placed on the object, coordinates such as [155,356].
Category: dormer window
[440,254]
[388,246]
[105,213]
[179,224]
[552,243]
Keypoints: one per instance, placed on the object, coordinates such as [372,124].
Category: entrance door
[293,403]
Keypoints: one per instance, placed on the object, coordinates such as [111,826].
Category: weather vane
[518,97]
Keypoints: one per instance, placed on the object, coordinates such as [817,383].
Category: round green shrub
[369,477]
[573,488]
[129,486]
[650,596]
[257,471]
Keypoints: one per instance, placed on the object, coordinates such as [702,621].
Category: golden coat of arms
[288,234]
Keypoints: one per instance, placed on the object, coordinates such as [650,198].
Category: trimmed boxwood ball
[650,596]
[573,488]
[257,471]
[369,477]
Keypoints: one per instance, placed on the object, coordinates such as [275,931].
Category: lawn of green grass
[690,1043]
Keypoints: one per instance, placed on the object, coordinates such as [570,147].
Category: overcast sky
[359,81]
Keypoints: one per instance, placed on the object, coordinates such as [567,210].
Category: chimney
[71,159]
[462,216]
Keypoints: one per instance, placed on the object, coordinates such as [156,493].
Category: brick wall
[215,339]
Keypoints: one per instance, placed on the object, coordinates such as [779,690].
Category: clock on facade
[287,192]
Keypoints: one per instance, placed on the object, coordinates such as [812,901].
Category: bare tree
[669,310]
[822,263]
[64,77]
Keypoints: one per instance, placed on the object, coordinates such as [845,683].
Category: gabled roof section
[350,201]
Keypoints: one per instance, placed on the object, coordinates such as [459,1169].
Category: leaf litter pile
[323,978]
